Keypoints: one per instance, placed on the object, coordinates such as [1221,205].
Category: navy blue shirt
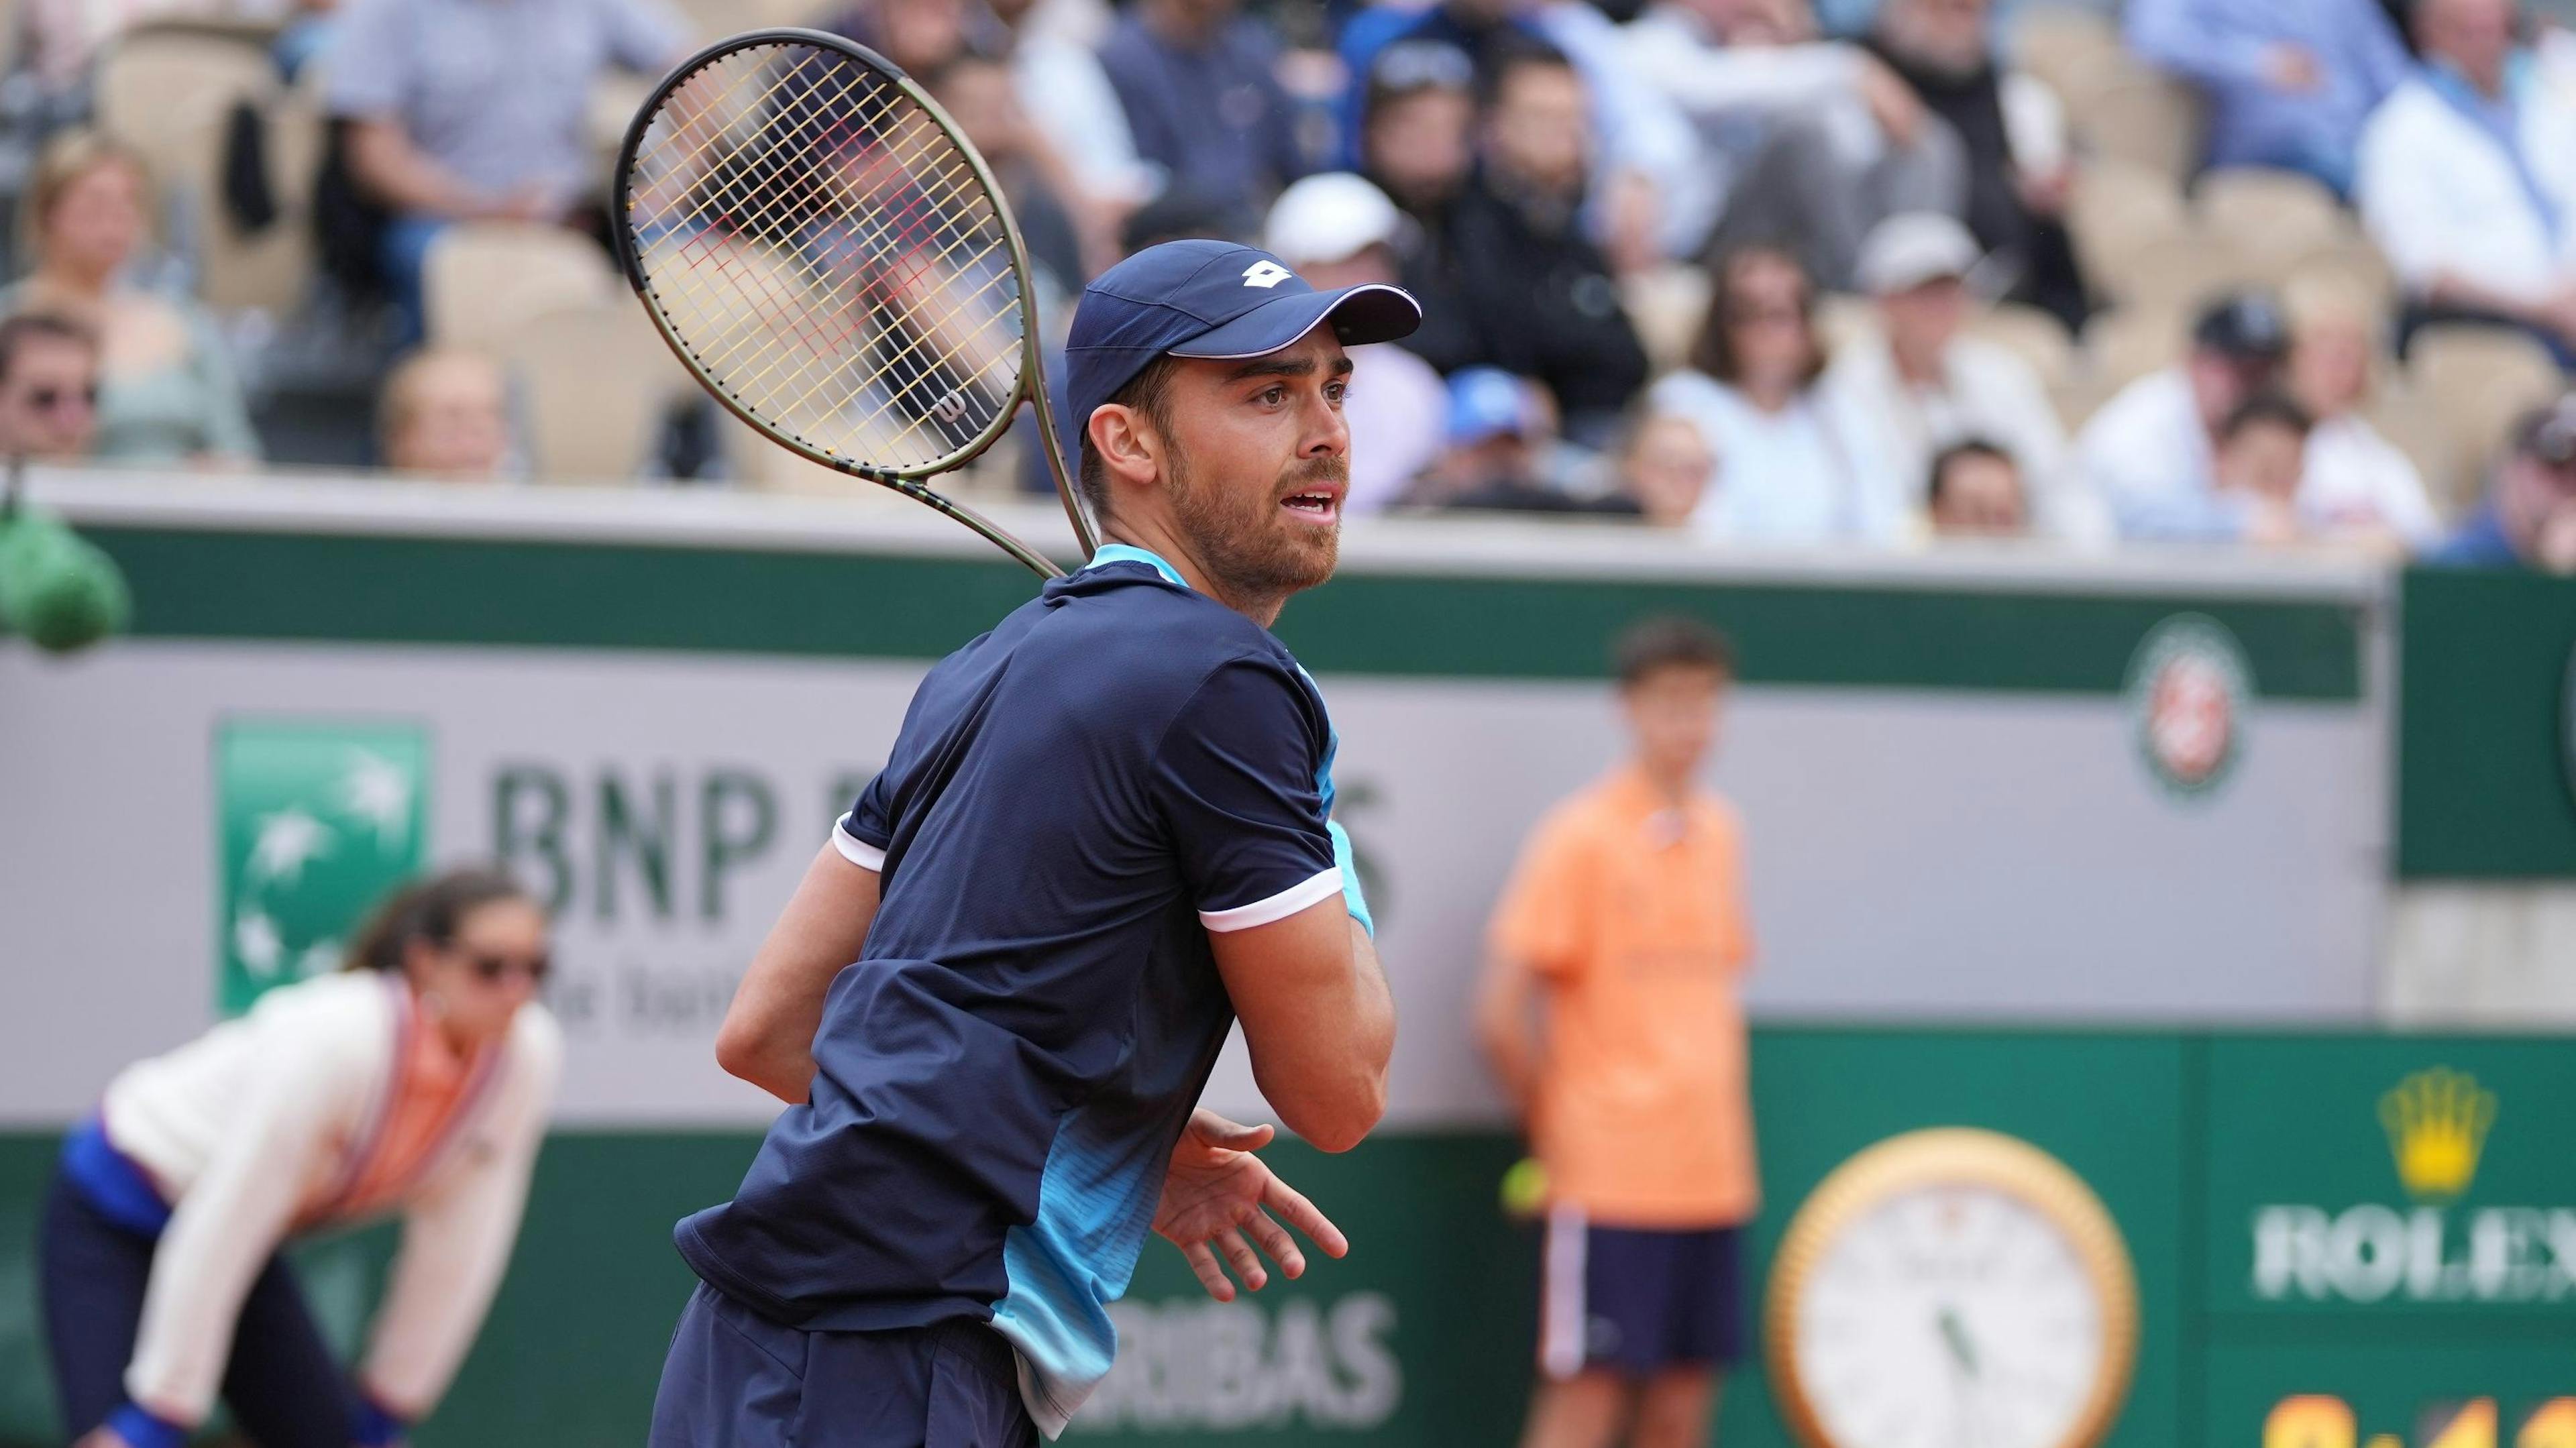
[1075,801]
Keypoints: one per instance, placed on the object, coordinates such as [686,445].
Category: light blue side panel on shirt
[1096,1201]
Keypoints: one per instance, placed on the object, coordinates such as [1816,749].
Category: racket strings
[761,196]
[829,256]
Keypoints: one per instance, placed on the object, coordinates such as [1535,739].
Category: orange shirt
[429,1091]
[1632,914]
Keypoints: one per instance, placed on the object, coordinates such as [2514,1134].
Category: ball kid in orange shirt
[1609,1012]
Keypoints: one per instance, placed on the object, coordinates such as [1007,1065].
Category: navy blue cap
[1211,299]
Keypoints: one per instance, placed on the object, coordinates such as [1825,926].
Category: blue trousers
[284,1387]
[736,1380]
[403,255]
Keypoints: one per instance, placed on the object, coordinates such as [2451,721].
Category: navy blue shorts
[1635,1302]
[737,1380]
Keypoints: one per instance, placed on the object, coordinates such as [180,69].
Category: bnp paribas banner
[314,822]
[1989,791]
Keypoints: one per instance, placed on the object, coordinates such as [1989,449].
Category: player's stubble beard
[1253,556]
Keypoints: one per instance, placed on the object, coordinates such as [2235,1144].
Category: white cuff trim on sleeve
[855,850]
[1278,907]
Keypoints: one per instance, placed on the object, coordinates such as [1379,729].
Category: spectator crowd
[2298,274]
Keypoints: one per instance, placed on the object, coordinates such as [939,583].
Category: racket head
[825,252]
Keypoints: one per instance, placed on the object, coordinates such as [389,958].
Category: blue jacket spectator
[1200,86]
[2529,517]
[2289,82]
[2467,175]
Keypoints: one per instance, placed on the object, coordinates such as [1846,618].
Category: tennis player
[1102,838]
[415,1082]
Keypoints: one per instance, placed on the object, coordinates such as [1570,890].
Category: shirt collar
[1663,822]
[1108,553]
[2449,82]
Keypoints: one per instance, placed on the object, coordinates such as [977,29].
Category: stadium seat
[712,20]
[484,279]
[2273,212]
[273,268]
[595,383]
[162,83]
[2122,110]
[2407,418]
[2476,380]
[168,89]
[2037,337]
[2076,396]
[2124,345]
[2118,207]
[2180,273]
[2061,44]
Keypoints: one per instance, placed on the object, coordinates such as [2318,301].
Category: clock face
[1952,1288]
[1950,1316]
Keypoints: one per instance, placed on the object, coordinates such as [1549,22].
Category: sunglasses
[493,969]
[1767,314]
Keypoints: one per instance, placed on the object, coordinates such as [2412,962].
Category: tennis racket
[830,258]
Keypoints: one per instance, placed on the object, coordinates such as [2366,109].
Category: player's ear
[1128,447]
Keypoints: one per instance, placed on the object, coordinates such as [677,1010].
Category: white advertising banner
[1911,854]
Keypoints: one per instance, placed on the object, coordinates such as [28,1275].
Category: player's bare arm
[1317,1017]
[768,1034]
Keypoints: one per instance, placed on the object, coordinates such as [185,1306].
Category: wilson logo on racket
[949,408]
[1265,274]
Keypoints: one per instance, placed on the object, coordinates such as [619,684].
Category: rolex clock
[1952,1288]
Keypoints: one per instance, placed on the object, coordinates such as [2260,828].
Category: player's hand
[1216,1191]
[102,1437]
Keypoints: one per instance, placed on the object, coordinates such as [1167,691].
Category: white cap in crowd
[1907,250]
[1328,218]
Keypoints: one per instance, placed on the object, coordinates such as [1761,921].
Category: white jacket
[252,1130]
[2440,197]
[1986,392]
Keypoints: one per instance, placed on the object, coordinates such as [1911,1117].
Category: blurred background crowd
[2298,273]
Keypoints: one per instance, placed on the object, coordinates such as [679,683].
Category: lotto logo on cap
[1210,299]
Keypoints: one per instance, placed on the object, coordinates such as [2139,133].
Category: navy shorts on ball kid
[737,1380]
[1635,1301]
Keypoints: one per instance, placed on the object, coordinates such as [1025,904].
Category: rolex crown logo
[2437,1124]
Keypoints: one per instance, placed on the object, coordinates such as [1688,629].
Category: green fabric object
[56,587]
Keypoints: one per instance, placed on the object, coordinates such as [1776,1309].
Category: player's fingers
[1215,1130]
[1211,1276]
[1274,1239]
[1247,1263]
[1305,1216]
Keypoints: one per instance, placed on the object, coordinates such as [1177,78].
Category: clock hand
[1954,1334]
